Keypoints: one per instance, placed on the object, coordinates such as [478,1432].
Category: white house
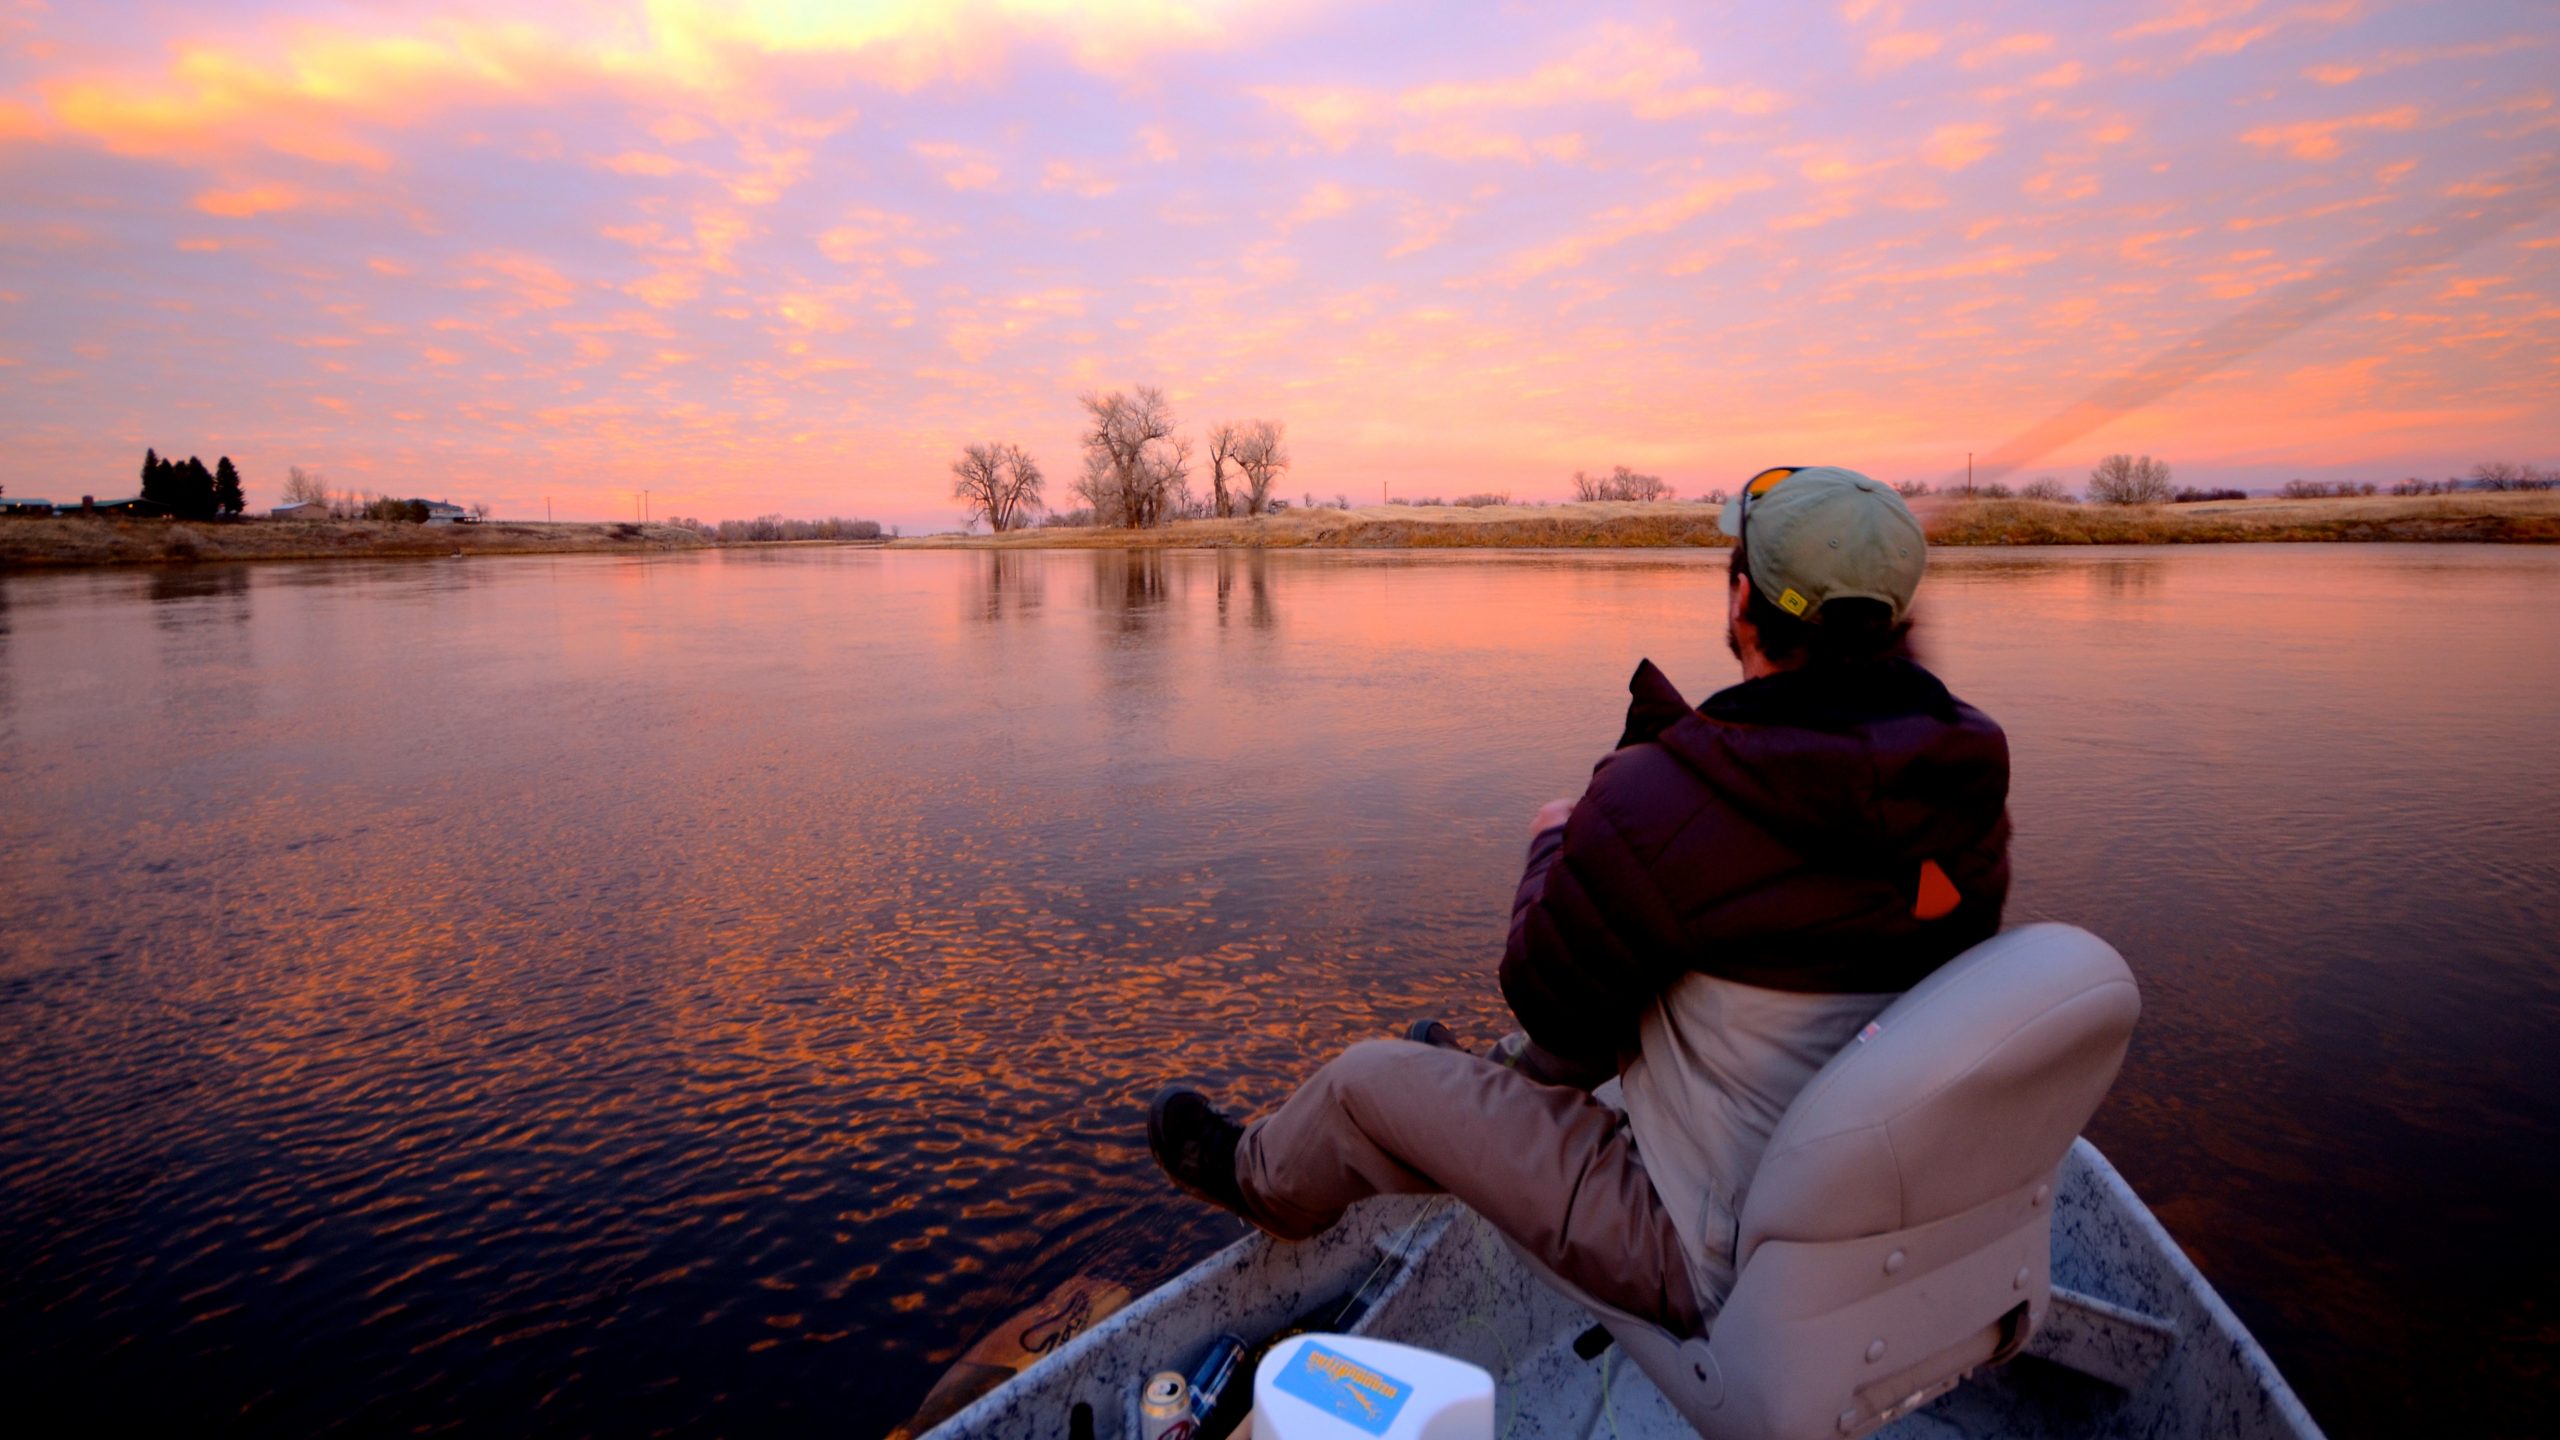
[301,510]
[444,512]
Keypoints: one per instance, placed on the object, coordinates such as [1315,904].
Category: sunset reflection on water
[701,993]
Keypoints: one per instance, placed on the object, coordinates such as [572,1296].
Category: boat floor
[2144,1348]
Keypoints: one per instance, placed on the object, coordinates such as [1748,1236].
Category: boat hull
[2139,1343]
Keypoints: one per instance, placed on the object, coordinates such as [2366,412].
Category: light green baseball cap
[1819,533]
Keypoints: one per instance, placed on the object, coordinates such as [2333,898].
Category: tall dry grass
[97,540]
[2528,519]
[2507,518]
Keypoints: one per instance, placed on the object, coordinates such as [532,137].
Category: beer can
[1164,1408]
[1210,1380]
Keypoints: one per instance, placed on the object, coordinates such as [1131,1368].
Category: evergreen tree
[159,481]
[226,488]
[195,491]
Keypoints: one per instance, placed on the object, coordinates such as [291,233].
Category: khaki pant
[1546,1165]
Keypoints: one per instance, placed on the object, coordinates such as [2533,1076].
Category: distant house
[445,512]
[302,510]
[24,505]
[130,505]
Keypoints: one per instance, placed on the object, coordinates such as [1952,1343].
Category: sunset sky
[790,256]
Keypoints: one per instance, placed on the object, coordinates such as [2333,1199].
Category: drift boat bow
[1927,1248]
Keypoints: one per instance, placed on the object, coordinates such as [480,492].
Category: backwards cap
[1822,534]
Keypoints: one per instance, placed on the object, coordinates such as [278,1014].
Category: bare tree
[2501,475]
[999,483]
[1223,439]
[1620,483]
[1262,452]
[1168,474]
[479,509]
[2126,480]
[1133,467]
[305,487]
[1022,485]
[2045,487]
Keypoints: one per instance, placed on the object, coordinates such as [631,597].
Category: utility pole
[644,501]
[546,509]
[1968,473]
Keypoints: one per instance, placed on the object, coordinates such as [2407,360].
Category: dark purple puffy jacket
[1780,835]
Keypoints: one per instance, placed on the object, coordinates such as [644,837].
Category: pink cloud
[1953,147]
[2327,139]
[240,204]
[962,167]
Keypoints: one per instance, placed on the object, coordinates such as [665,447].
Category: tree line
[188,490]
[2142,480]
[311,488]
[775,527]
[1137,469]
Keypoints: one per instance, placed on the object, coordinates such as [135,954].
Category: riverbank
[2514,518]
[97,540]
[2530,518]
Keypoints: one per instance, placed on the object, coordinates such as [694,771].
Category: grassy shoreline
[96,540]
[2531,518]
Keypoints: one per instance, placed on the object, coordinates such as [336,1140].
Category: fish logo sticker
[1344,1388]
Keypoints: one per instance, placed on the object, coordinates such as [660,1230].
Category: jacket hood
[1871,760]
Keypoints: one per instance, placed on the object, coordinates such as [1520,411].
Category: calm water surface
[699,994]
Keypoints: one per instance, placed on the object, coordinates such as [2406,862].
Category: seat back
[1898,1232]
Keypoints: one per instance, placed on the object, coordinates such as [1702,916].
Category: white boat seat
[1898,1232]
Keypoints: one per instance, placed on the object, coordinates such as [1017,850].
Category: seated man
[1742,887]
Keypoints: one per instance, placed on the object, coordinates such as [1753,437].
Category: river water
[699,994]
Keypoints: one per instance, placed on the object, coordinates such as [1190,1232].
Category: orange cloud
[1622,223]
[2234,39]
[254,200]
[1081,179]
[1463,142]
[1322,202]
[2348,72]
[2006,48]
[1899,48]
[1335,116]
[1647,73]
[309,101]
[2325,139]
[19,122]
[642,162]
[1953,147]
[677,129]
[2190,15]
[535,283]
[963,167]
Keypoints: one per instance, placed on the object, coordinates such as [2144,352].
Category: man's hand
[1551,815]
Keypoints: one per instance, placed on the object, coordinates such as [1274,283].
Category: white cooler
[1346,1387]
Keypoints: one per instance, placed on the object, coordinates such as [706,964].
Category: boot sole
[1157,1148]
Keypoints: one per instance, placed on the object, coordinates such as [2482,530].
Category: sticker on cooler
[1344,1388]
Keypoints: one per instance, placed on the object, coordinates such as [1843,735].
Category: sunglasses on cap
[1752,489]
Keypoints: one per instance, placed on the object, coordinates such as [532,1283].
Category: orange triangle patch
[1938,894]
